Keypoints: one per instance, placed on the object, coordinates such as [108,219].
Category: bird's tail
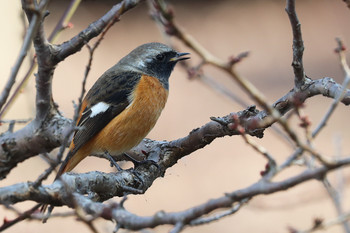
[68,164]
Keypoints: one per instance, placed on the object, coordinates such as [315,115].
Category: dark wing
[112,89]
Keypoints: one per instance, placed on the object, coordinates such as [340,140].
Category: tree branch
[298,45]
[57,192]
[23,144]
[76,43]
[31,32]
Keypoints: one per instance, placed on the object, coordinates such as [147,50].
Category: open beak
[179,57]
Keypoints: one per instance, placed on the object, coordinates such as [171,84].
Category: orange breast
[135,122]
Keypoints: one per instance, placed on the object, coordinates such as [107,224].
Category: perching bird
[123,105]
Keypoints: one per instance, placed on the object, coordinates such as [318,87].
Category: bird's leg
[134,161]
[113,162]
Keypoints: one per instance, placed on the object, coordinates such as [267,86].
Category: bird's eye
[160,57]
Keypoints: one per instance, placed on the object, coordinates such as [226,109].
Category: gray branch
[298,44]
[101,186]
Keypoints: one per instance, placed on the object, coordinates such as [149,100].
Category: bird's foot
[134,161]
[116,165]
[142,162]
[138,163]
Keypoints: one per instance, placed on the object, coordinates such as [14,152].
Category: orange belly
[134,123]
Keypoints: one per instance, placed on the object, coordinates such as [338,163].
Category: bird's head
[153,59]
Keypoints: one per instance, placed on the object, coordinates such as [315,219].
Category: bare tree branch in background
[87,192]
[62,24]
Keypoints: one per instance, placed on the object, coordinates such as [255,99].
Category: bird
[123,105]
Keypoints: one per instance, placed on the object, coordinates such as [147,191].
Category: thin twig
[21,121]
[64,20]
[31,32]
[21,217]
[165,16]
[87,220]
[341,52]
[338,97]
[206,220]
[332,192]
[325,225]
[62,24]
[342,57]
[54,164]
[91,54]
[258,148]
[334,195]
[17,90]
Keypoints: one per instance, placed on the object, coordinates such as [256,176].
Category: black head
[153,59]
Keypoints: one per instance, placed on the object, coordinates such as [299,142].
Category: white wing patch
[131,98]
[98,108]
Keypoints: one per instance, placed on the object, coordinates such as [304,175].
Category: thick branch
[133,222]
[44,102]
[102,187]
[30,141]
[92,183]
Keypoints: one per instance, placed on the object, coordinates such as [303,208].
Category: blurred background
[225,28]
